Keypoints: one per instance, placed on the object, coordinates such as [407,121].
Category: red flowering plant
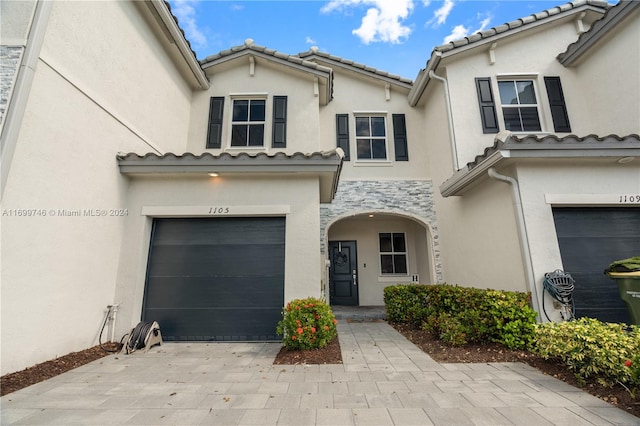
[307,324]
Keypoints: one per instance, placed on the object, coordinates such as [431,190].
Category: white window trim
[267,122]
[406,253]
[372,161]
[542,108]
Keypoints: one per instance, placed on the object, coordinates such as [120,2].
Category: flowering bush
[307,324]
[593,349]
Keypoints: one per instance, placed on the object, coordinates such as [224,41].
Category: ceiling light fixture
[625,160]
[213,174]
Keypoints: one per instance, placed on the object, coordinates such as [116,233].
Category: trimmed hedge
[592,349]
[460,315]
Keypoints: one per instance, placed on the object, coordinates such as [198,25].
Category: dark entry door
[343,273]
[590,239]
[218,279]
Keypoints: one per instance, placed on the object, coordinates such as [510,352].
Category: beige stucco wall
[269,80]
[353,93]
[542,46]
[15,21]
[254,196]
[93,95]
[611,105]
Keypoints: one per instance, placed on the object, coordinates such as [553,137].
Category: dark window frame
[371,139]
[395,254]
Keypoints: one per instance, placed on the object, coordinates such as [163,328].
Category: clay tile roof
[314,52]
[540,16]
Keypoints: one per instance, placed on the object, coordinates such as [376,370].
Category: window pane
[400,263]
[364,148]
[507,93]
[512,119]
[385,242]
[362,126]
[257,110]
[239,135]
[386,263]
[256,134]
[377,126]
[240,110]
[398,243]
[378,148]
[530,120]
[526,93]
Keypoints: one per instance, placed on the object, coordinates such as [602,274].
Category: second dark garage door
[590,238]
[216,278]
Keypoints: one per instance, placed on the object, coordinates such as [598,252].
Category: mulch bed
[330,354]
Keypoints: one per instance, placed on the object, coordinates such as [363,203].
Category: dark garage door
[590,239]
[216,278]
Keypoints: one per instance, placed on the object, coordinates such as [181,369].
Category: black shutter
[279,122]
[342,133]
[487,105]
[557,104]
[400,137]
[214,134]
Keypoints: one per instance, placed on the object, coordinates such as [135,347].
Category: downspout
[524,238]
[452,133]
[26,71]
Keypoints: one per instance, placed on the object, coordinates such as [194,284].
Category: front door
[343,273]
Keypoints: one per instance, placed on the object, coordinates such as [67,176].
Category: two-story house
[207,194]
[519,195]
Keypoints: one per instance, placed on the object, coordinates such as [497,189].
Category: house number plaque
[219,210]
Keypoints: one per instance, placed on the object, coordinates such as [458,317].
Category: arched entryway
[366,251]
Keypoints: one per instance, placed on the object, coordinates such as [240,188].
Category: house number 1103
[218,210]
[630,198]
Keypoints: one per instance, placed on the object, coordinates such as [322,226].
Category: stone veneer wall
[411,197]
[9,62]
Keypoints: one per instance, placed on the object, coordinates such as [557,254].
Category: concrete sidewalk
[385,380]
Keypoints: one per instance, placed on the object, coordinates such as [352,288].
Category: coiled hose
[560,286]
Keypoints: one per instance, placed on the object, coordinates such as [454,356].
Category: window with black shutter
[342,134]
[487,105]
[400,137]
[214,132]
[279,139]
[556,103]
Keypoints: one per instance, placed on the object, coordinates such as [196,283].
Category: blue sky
[392,35]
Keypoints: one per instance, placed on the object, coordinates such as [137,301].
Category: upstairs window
[519,105]
[248,121]
[371,138]
[393,253]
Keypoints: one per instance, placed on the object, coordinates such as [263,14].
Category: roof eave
[598,30]
[181,43]
[464,178]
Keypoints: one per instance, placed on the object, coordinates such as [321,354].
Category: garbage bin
[629,289]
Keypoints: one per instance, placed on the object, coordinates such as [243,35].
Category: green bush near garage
[307,324]
[608,352]
[460,315]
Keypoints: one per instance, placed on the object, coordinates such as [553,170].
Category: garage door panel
[216,325]
[252,260]
[216,278]
[590,239]
[177,292]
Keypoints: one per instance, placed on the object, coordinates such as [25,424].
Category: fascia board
[180,42]
[316,70]
[365,73]
[422,80]
[465,177]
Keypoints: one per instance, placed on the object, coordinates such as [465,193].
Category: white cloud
[440,15]
[186,14]
[309,40]
[459,31]
[383,20]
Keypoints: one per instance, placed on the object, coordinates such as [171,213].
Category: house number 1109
[630,198]
[218,210]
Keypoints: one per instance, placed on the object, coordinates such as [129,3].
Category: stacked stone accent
[9,63]
[409,198]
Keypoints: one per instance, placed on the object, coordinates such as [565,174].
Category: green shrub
[460,315]
[607,352]
[307,324]
[406,303]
